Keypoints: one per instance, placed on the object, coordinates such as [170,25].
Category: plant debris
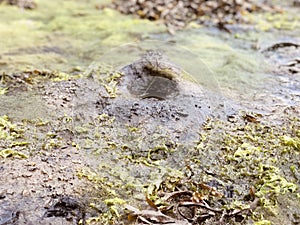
[189,203]
[67,207]
[289,61]
[24,4]
[177,14]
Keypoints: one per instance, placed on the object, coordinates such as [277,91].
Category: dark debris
[177,14]
[69,208]
[192,203]
[285,55]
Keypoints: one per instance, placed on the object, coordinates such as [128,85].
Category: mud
[152,76]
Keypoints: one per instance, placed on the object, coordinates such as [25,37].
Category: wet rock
[285,56]
[152,76]
[154,92]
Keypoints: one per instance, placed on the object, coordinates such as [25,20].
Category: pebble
[178,13]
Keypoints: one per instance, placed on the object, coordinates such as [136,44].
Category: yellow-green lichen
[19,143]
[107,77]
[262,222]
[3,91]
[105,193]
[245,151]
[271,181]
[264,156]
[63,35]
[9,153]
[292,142]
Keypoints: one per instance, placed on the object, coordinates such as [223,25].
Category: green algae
[63,35]
[217,64]
[262,159]
[281,21]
